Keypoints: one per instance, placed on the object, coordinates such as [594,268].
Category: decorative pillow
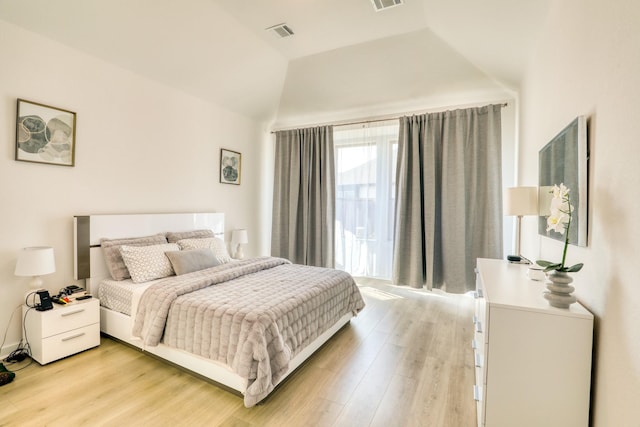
[111,252]
[148,262]
[218,247]
[191,260]
[173,237]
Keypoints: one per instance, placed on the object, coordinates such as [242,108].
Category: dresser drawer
[66,318]
[67,343]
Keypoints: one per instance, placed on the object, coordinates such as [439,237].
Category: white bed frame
[89,264]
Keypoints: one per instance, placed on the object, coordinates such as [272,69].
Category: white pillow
[148,262]
[218,247]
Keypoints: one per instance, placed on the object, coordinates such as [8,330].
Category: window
[365,189]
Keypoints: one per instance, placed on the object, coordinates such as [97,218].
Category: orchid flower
[559,221]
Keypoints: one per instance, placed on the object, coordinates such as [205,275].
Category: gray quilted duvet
[253,315]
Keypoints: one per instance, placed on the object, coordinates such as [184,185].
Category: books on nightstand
[73,292]
[74,296]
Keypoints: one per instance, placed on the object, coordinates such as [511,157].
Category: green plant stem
[564,252]
[566,233]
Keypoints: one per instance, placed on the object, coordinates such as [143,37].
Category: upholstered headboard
[89,263]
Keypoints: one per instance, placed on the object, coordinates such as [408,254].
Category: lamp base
[239,254]
[35,283]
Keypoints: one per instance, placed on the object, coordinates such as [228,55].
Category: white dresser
[62,331]
[533,361]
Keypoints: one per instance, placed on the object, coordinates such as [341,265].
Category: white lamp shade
[239,237]
[520,201]
[35,261]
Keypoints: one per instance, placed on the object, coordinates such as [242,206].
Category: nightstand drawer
[66,344]
[66,318]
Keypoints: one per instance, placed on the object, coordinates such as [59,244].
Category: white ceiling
[219,50]
[323,25]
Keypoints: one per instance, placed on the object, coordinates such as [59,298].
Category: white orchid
[561,210]
[560,192]
[559,221]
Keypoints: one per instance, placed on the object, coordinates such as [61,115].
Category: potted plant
[559,221]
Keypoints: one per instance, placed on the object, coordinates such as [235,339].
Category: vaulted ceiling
[219,50]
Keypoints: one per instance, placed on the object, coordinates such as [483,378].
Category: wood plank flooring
[404,361]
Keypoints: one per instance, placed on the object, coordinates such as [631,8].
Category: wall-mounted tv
[564,160]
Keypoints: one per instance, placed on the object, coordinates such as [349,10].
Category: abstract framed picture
[565,160]
[45,134]
[230,166]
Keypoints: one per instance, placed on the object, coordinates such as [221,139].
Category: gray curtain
[304,197]
[448,197]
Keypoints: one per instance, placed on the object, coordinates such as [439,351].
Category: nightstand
[62,331]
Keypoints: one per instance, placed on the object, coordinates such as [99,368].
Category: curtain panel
[448,197]
[304,197]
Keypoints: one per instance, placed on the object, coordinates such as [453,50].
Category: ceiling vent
[379,5]
[282,30]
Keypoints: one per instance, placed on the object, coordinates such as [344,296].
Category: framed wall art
[230,167]
[565,160]
[45,134]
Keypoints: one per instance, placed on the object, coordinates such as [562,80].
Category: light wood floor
[404,361]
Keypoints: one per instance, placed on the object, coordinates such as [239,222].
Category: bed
[245,324]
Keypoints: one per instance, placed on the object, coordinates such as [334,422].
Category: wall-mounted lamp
[238,238]
[518,202]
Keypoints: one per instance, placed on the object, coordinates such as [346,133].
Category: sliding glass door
[365,184]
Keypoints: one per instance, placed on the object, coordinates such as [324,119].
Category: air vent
[282,30]
[379,5]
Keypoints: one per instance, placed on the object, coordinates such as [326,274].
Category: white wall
[396,74]
[141,148]
[588,62]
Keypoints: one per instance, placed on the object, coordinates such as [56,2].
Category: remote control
[83,297]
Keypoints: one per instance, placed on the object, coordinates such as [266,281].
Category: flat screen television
[564,160]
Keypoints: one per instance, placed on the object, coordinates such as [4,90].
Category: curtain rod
[362,122]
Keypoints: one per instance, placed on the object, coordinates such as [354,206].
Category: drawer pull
[478,361]
[69,313]
[477,393]
[73,337]
[479,327]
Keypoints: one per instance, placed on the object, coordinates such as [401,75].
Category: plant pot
[560,290]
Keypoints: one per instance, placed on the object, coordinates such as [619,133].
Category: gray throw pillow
[188,261]
[217,246]
[174,236]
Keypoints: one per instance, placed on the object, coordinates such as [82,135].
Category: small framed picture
[45,134]
[230,167]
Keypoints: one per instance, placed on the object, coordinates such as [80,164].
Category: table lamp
[35,262]
[518,202]
[239,238]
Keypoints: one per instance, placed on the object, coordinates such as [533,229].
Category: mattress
[122,295]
